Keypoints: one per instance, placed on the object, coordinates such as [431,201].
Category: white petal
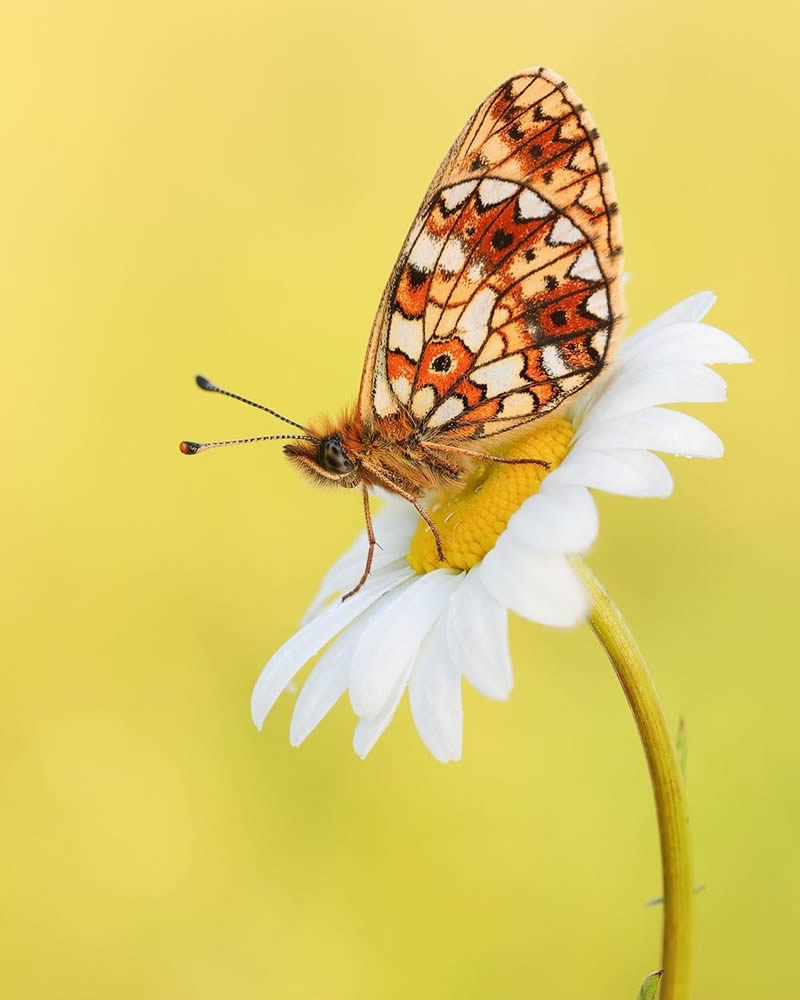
[345,574]
[394,526]
[298,650]
[557,519]
[328,681]
[477,634]
[685,314]
[656,429]
[368,730]
[540,586]
[435,695]
[690,310]
[682,342]
[335,580]
[626,471]
[651,386]
[391,641]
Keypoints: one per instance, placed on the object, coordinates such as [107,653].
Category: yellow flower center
[471,520]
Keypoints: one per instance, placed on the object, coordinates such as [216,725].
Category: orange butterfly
[503,303]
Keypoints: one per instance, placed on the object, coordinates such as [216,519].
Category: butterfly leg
[482,456]
[429,521]
[394,487]
[371,541]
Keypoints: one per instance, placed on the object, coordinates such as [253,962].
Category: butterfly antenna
[193,447]
[210,386]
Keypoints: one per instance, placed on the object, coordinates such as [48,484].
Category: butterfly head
[325,460]
[327,456]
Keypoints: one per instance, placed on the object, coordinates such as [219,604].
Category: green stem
[668,787]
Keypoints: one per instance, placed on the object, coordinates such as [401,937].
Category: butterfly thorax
[389,453]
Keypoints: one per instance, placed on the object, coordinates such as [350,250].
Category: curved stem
[668,786]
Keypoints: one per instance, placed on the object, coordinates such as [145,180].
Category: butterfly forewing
[507,293]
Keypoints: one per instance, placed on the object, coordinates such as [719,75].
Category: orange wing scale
[507,295]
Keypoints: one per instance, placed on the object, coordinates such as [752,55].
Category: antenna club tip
[205,383]
[189,447]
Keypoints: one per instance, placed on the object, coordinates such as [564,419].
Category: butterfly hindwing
[507,292]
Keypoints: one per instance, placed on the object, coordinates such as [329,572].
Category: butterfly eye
[333,458]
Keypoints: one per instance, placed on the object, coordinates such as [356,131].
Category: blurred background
[223,188]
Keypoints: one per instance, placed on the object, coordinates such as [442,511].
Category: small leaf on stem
[649,988]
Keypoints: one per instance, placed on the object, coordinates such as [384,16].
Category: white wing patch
[597,304]
[453,257]
[406,335]
[574,382]
[564,231]
[474,323]
[457,194]
[422,401]
[425,252]
[586,266]
[501,376]
[553,363]
[518,404]
[531,206]
[476,272]
[448,411]
[385,402]
[402,388]
[599,341]
[492,191]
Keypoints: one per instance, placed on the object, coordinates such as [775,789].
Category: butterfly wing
[508,291]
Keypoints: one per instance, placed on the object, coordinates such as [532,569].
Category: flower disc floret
[471,520]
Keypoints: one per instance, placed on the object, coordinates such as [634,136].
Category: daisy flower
[509,538]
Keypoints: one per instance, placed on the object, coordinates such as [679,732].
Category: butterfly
[505,302]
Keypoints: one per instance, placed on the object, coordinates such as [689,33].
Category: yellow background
[222,187]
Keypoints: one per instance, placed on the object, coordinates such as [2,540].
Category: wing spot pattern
[451,408]
[597,304]
[531,206]
[406,335]
[422,402]
[425,252]
[493,191]
[487,286]
[501,376]
[564,232]
[455,196]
